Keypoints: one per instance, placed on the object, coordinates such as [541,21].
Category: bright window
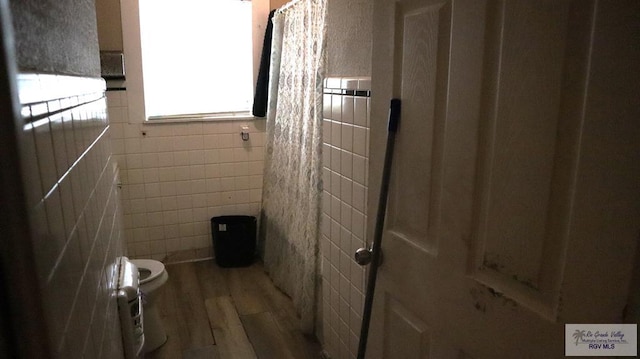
[196,57]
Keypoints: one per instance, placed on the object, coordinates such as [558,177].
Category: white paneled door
[514,203]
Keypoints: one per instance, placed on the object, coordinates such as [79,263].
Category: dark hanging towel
[261,96]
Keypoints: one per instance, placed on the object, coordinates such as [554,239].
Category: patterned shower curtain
[292,177]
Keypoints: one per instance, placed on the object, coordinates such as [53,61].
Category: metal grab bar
[375,251]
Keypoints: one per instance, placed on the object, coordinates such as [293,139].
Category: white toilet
[152,277]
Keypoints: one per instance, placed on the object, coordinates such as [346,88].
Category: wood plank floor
[212,312]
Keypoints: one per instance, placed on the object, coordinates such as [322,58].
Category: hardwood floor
[212,312]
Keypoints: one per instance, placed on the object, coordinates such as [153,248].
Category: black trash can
[234,240]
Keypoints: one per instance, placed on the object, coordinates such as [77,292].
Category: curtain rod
[287,6]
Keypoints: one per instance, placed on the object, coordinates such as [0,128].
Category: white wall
[56,36]
[176,176]
[109,25]
[349,26]
[69,179]
[345,181]
[346,143]
[74,212]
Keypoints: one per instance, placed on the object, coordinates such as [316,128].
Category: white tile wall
[74,210]
[345,159]
[176,176]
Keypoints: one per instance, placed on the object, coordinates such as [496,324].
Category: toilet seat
[152,277]
[156,269]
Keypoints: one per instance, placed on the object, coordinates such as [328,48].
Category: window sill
[207,117]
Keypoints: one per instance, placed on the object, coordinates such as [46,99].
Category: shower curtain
[292,177]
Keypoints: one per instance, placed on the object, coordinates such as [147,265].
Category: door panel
[423,37]
[523,195]
[492,232]
[408,337]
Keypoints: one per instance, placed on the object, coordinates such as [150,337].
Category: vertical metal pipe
[394,119]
